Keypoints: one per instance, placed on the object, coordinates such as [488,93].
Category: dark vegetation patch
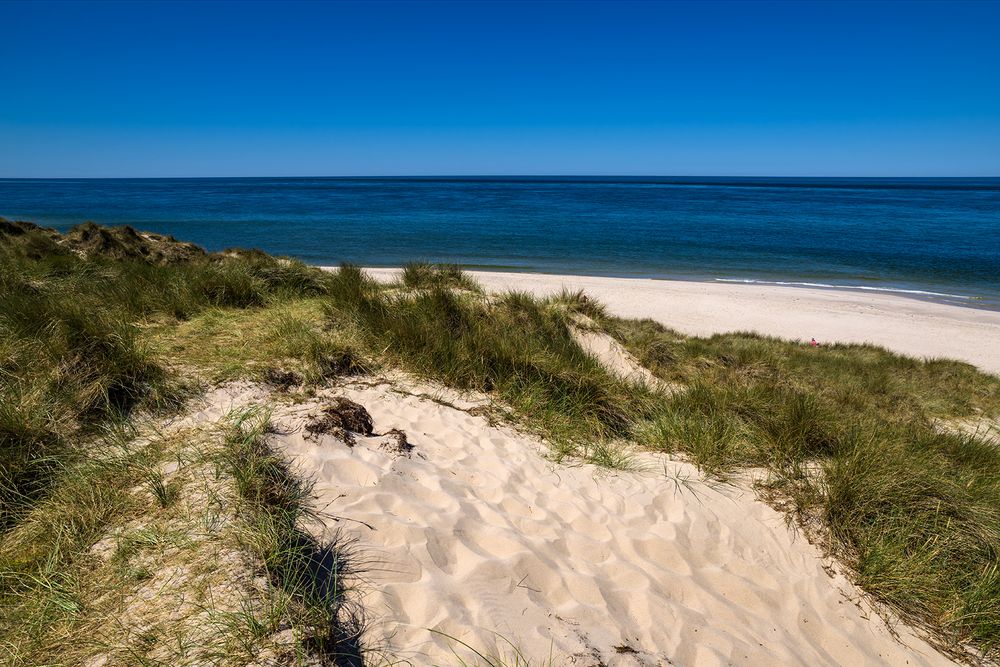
[92,240]
[396,443]
[342,418]
[281,379]
[342,362]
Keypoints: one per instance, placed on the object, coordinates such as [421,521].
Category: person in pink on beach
[813,343]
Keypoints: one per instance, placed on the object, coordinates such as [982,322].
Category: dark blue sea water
[918,235]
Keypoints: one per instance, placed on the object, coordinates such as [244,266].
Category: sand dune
[612,355]
[477,535]
[903,324]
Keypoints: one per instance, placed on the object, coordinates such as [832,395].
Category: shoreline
[906,325]
[924,293]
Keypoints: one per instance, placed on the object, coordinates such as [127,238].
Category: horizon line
[497,175]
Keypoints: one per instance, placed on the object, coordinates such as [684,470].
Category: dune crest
[616,359]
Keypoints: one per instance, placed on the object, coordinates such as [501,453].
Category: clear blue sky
[242,89]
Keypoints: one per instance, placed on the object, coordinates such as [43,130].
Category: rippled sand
[477,534]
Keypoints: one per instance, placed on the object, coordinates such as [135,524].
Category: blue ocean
[929,238]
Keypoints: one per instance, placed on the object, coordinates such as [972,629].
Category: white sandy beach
[902,324]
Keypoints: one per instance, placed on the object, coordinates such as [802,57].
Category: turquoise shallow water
[931,238]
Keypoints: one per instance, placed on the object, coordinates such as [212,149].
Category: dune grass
[71,349]
[44,562]
[313,573]
[287,337]
[421,275]
[514,347]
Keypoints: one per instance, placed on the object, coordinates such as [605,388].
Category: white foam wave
[868,288]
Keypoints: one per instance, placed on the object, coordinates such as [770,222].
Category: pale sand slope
[476,532]
[902,324]
[612,355]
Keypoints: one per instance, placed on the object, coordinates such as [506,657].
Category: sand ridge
[477,534]
[612,355]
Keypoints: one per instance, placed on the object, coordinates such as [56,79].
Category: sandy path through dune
[476,533]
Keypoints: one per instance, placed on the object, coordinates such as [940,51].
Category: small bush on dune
[319,356]
[350,293]
[579,302]
[228,284]
[277,276]
[420,275]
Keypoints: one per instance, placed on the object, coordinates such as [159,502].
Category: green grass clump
[287,337]
[917,513]
[43,559]
[515,347]
[421,275]
[72,350]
